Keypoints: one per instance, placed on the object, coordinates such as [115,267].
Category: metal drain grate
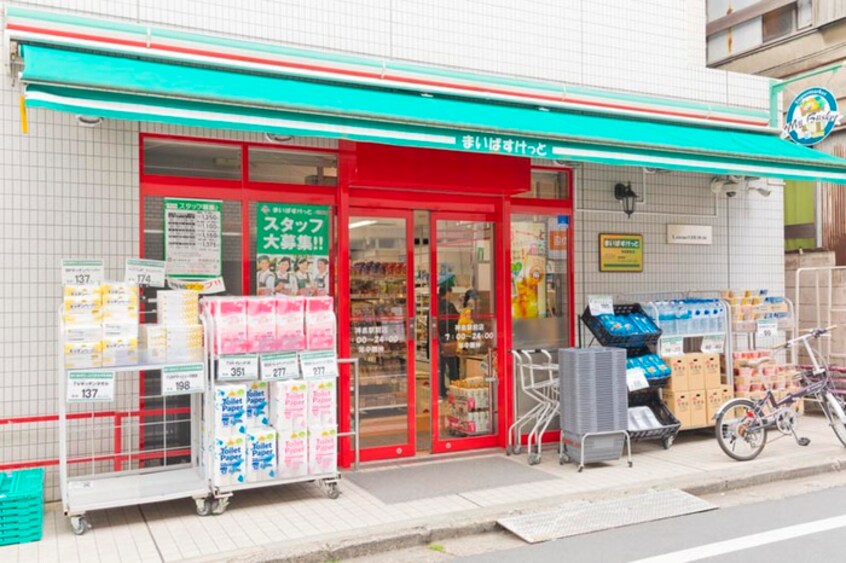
[583,518]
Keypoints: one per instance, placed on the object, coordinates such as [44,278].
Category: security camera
[727,185]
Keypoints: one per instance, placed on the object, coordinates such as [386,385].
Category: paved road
[790,530]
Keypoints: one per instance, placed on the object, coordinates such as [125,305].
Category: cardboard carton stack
[695,390]
[757,370]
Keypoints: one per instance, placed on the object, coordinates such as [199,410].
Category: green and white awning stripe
[127,88]
[27,25]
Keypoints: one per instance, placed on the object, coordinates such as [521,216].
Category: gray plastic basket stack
[594,399]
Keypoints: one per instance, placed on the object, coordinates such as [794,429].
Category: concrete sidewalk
[299,523]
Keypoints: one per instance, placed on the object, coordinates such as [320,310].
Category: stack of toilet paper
[320,324]
[178,335]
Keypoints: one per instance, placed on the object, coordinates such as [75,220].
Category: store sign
[559,229]
[238,368]
[671,346]
[690,234]
[323,363]
[145,272]
[193,237]
[601,305]
[91,386]
[767,327]
[713,344]
[278,366]
[292,254]
[620,253]
[182,380]
[811,117]
[82,272]
[505,145]
[204,286]
[375,339]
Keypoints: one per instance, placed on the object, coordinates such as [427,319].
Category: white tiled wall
[69,191]
[748,244]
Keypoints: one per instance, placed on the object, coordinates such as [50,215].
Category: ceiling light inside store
[89,120]
[365,223]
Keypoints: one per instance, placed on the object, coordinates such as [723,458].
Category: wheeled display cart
[218,500]
[114,429]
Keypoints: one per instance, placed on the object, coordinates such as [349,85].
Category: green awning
[122,87]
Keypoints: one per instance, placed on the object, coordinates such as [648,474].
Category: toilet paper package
[177,307]
[290,340]
[152,336]
[322,402]
[184,336]
[120,302]
[86,310]
[261,324]
[230,407]
[75,334]
[119,291]
[322,449]
[230,319]
[258,412]
[261,454]
[292,454]
[229,459]
[290,313]
[289,405]
[83,354]
[321,336]
[73,290]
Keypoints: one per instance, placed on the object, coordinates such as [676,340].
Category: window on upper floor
[740,26]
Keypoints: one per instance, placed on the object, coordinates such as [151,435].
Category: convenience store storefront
[439,182]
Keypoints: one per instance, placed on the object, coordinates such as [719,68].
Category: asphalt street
[799,528]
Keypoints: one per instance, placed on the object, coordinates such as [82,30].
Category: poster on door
[292,257]
[528,270]
[193,237]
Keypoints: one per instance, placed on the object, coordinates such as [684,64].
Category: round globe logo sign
[811,117]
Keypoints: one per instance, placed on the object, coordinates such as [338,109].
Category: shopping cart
[538,376]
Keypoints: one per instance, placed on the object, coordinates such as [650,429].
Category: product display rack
[217,501]
[638,345]
[99,489]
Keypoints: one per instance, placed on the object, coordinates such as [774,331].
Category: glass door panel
[381,314]
[465,336]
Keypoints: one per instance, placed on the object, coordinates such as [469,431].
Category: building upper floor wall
[654,47]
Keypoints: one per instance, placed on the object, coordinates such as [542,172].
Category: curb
[371,541]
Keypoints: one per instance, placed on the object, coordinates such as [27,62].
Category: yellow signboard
[620,253]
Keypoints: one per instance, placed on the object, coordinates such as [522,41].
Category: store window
[548,184]
[293,167]
[167,157]
[778,23]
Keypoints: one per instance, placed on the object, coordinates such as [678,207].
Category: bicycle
[743,423]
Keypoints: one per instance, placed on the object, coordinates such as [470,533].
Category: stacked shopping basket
[594,404]
[21,506]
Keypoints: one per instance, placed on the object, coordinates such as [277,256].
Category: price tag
[282,365]
[145,272]
[713,344]
[82,272]
[672,346]
[601,305]
[767,327]
[91,386]
[237,368]
[181,380]
[636,379]
[321,363]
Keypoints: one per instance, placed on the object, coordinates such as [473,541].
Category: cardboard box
[713,402]
[698,408]
[712,370]
[679,405]
[695,371]
[678,379]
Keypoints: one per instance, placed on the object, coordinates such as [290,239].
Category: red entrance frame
[464,184]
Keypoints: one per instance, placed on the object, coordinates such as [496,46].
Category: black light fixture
[626,195]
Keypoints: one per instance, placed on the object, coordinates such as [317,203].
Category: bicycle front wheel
[740,430]
[833,408]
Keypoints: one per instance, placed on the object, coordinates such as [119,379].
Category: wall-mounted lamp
[627,197]
[89,120]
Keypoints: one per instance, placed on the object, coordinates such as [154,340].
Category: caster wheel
[563,458]
[334,491]
[630,464]
[516,450]
[218,505]
[534,459]
[668,442]
[204,506]
[79,525]
[508,450]
[581,468]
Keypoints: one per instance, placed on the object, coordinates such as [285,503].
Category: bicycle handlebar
[812,333]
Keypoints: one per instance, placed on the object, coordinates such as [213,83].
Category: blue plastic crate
[21,506]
